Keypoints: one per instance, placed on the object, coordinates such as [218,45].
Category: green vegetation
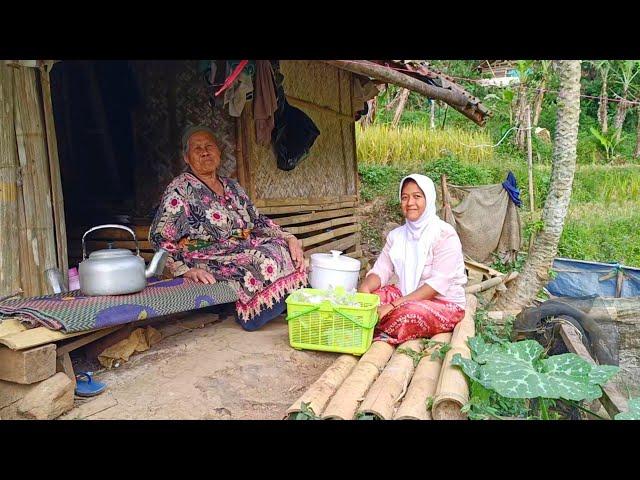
[603,220]
[556,387]
[518,380]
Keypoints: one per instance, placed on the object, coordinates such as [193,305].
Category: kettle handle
[108,225]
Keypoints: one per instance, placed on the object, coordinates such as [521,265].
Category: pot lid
[110,253]
[335,261]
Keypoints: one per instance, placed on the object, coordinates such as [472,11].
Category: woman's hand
[200,275]
[384,310]
[296,253]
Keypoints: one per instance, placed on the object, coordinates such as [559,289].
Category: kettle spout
[156,265]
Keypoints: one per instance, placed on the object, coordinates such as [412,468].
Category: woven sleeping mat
[75,312]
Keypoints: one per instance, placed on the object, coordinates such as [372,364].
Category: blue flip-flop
[88,387]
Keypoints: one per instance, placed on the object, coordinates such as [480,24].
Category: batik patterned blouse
[226,236]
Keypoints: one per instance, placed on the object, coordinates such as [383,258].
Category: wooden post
[530,160]
[530,171]
[404,96]
[54,171]
[9,243]
[40,247]
[432,116]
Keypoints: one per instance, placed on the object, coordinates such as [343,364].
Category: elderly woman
[213,233]
[426,255]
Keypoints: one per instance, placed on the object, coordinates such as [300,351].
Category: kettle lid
[110,253]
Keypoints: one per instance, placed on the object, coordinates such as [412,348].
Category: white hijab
[413,242]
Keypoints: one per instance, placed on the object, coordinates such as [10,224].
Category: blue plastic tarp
[576,278]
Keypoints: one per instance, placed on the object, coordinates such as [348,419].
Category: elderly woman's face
[412,201]
[203,155]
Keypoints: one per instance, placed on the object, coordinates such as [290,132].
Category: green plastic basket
[332,328]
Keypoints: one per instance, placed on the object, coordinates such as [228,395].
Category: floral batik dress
[226,236]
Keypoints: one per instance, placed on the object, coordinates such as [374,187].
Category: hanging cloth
[265,102]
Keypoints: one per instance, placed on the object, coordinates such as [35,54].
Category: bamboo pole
[392,383]
[9,239]
[530,159]
[36,193]
[54,171]
[423,384]
[345,402]
[322,389]
[452,391]
[485,285]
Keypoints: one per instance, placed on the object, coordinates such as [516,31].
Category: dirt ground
[216,372]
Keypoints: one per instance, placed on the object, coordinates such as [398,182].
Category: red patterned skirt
[414,319]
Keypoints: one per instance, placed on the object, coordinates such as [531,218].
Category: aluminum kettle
[117,271]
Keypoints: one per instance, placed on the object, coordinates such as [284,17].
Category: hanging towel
[265,102]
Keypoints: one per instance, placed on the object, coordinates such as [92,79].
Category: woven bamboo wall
[324,93]
[174,95]
[29,229]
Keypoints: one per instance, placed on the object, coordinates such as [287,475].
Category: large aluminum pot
[329,270]
[116,271]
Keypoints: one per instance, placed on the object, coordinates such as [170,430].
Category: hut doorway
[118,129]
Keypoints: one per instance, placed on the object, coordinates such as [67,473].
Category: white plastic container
[329,270]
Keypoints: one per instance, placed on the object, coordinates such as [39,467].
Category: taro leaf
[469,367]
[633,413]
[515,370]
[480,350]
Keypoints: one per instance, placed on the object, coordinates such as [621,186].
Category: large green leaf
[633,413]
[517,370]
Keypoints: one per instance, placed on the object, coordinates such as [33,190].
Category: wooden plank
[9,190]
[314,227]
[34,337]
[341,245]
[491,271]
[283,202]
[36,187]
[307,208]
[338,232]
[64,364]
[241,174]
[310,217]
[27,366]
[90,337]
[54,173]
[612,400]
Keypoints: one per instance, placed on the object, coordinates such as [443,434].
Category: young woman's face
[412,201]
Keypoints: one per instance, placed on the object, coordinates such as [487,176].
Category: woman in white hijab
[426,256]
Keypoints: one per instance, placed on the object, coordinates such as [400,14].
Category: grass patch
[411,146]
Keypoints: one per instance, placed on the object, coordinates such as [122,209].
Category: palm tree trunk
[603,106]
[535,273]
[637,152]
[621,114]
